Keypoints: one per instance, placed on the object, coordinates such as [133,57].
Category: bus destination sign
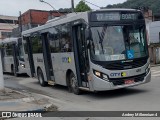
[114,16]
[107,16]
[128,16]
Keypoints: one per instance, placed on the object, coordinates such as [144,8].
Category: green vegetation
[82,7]
[151,4]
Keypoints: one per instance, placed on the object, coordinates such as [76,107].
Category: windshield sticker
[115,57]
[130,54]
[108,58]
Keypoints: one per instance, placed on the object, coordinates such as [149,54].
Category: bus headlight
[100,75]
[105,77]
[22,65]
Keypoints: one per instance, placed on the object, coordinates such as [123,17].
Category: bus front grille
[123,66]
[121,81]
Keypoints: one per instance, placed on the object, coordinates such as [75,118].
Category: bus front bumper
[22,70]
[102,85]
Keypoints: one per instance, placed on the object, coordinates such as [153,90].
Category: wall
[33,18]
[154,30]
[7,27]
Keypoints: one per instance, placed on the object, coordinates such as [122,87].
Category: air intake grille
[125,65]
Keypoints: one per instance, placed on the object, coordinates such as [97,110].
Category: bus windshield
[111,43]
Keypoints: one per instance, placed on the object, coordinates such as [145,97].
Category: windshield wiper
[100,41]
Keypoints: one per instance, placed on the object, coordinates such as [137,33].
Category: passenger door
[29,63]
[80,54]
[47,58]
[15,57]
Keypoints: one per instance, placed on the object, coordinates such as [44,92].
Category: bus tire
[74,84]
[41,78]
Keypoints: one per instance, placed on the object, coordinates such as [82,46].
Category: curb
[31,99]
[46,108]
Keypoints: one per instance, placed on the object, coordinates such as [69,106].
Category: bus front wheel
[41,78]
[74,84]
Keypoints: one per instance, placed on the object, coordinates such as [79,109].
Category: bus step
[51,82]
[84,88]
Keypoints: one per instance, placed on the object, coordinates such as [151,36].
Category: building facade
[33,18]
[7,23]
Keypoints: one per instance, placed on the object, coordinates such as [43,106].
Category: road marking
[153,70]
[156,75]
[156,72]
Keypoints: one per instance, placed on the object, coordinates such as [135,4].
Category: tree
[82,7]
[154,5]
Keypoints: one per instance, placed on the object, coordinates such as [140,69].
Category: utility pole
[20,21]
[72,4]
[1,74]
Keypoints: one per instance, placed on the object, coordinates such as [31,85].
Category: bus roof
[117,9]
[68,18]
[57,21]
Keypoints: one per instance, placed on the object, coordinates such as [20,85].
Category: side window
[9,51]
[65,41]
[53,37]
[36,44]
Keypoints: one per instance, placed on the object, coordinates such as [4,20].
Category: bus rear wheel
[74,84]
[41,78]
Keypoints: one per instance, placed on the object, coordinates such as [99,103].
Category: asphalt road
[139,98]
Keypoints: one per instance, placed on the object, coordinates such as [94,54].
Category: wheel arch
[37,70]
[42,73]
[12,67]
[69,71]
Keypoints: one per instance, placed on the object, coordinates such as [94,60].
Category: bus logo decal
[69,60]
[123,74]
[138,70]
[66,60]
[115,74]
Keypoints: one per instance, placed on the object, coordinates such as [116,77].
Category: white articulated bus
[95,51]
[12,55]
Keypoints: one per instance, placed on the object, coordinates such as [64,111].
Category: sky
[12,7]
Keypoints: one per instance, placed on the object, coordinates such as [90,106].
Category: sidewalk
[11,100]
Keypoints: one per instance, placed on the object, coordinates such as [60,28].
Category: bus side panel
[56,62]
[39,62]
[61,63]
[8,61]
